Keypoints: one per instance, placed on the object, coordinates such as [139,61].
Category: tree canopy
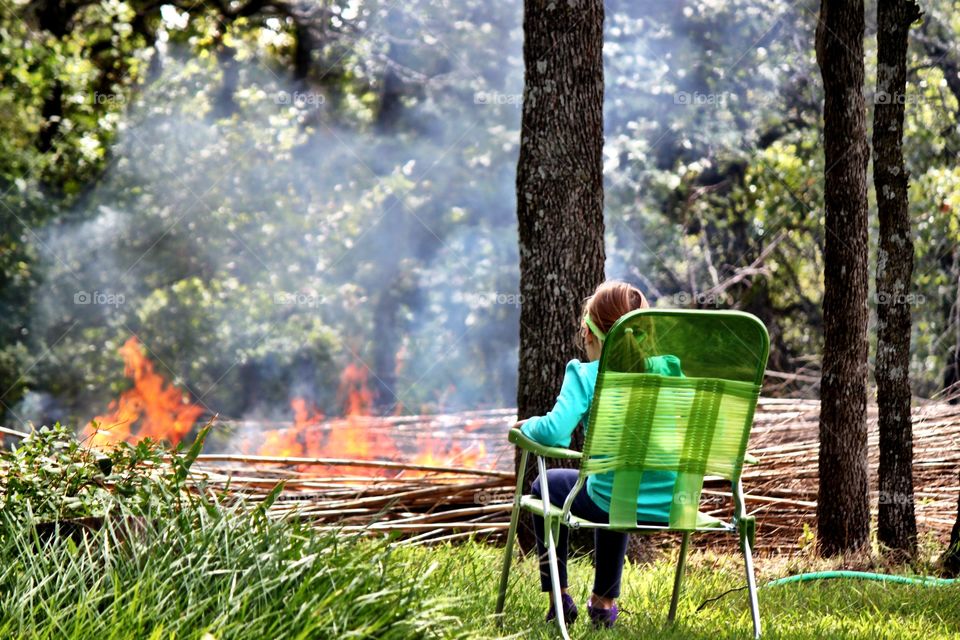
[264,191]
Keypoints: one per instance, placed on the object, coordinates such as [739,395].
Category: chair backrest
[694,425]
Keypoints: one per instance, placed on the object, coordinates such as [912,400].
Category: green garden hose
[927,581]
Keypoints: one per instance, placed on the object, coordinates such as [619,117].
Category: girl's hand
[519,423]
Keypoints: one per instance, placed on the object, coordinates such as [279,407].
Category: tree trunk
[559,194]
[951,559]
[896,521]
[224,101]
[951,312]
[936,44]
[843,510]
[52,113]
[400,292]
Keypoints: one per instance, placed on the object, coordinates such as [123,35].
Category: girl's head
[608,303]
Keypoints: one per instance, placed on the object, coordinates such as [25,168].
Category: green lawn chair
[695,426]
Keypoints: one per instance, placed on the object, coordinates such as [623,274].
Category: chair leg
[507,559]
[511,536]
[678,577]
[751,584]
[555,579]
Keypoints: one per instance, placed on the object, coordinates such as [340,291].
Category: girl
[608,303]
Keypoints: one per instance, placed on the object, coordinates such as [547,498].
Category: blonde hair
[610,302]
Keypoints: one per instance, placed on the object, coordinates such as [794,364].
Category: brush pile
[782,488]
[426,503]
[454,496]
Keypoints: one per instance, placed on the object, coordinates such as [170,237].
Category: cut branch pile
[430,503]
[782,489]
[421,502]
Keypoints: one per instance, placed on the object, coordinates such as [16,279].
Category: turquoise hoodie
[573,405]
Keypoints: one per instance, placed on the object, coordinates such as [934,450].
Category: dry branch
[442,503]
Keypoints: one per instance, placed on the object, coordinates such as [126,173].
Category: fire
[162,410]
[434,452]
[347,437]
[354,392]
[357,435]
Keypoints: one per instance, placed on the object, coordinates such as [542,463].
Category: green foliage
[211,170]
[167,563]
[52,476]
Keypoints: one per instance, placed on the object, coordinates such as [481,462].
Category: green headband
[601,336]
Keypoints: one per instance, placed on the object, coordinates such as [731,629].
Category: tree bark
[936,44]
[843,510]
[896,521]
[559,195]
[950,265]
[951,559]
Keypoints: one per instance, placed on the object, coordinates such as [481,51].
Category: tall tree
[951,559]
[559,192]
[896,521]
[843,510]
[935,38]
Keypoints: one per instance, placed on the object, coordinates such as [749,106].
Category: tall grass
[171,562]
[217,571]
[231,576]
[168,560]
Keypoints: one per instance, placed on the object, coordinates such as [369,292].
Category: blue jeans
[610,546]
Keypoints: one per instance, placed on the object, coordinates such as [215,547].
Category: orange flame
[357,435]
[346,437]
[163,411]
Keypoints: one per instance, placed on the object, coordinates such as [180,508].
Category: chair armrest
[750,459]
[516,437]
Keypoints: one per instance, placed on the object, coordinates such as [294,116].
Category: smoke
[256,255]
[258,240]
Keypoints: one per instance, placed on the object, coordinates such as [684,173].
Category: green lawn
[827,609]
[176,564]
[217,574]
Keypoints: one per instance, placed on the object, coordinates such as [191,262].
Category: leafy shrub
[52,476]
[176,560]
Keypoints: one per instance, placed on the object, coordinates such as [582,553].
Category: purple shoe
[602,617]
[569,609]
